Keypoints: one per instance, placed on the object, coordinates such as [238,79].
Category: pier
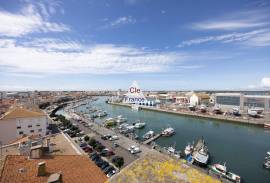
[152,139]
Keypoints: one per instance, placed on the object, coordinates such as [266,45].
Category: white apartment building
[21,122]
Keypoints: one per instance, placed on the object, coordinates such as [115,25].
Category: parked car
[115,145]
[106,137]
[83,144]
[134,149]
[114,137]
[104,165]
[87,149]
[106,152]
[111,173]
[106,171]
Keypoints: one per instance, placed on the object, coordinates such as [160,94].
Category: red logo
[134,90]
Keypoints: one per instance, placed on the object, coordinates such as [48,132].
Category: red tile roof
[74,168]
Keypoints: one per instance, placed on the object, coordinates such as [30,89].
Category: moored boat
[168,132]
[139,124]
[221,170]
[200,153]
[188,150]
[217,110]
[192,107]
[149,135]
[203,108]
[236,111]
[120,119]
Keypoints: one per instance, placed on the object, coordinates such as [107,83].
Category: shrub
[118,161]
[86,138]
[92,142]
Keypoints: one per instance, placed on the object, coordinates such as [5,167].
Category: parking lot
[119,151]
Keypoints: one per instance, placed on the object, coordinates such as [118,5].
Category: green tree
[86,138]
[118,161]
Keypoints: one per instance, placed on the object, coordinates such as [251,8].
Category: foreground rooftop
[73,168]
[158,168]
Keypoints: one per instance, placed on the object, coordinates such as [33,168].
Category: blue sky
[106,44]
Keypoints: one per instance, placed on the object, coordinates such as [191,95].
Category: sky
[107,44]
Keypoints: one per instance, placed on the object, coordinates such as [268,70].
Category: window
[19,127]
[40,130]
[32,131]
[21,132]
[29,126]
[38,125]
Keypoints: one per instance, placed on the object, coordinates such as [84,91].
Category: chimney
[41,169]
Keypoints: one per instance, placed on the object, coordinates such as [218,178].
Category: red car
[87,149]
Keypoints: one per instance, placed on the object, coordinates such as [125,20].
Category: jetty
[152,139]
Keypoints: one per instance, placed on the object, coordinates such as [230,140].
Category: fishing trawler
[200,153]
[221,170]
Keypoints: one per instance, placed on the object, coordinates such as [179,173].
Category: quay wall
[206,116]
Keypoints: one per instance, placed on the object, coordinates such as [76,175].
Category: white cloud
[28,21]
[234,21]
[265,82]
[123,20]
[252,38]
[36,58]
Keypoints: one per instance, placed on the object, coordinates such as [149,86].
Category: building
[199,98]
[20,122]
[57,168]
[229,100]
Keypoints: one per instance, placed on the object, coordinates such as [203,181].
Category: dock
[152,139]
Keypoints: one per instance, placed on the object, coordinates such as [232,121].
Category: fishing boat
[149,135]
[102,114]
[203,108]
[236,111]
[188,149]
[200,153]
[172,151]
[267,164]
[119,119]
[139,124]
[253,113]
[168,132]
[192,107]
[217,110]
[221,170]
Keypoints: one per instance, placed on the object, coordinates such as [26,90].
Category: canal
[242,147]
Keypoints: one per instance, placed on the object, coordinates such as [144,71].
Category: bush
[86,138]
[118,161]
[99,147]
[92,142]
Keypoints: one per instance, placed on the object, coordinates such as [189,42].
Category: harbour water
[242,147]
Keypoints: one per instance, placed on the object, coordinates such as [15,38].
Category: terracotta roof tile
[74,168]
[21,113]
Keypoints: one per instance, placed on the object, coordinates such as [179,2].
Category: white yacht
[119,119]
[149,135]
[168,132]
[102,114]
[139,124]
[203,108]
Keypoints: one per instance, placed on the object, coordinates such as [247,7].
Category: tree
[92,142]
[86,138]
[118,161]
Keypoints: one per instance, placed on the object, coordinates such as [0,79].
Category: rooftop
[158,168]
[74,168]
[21,113]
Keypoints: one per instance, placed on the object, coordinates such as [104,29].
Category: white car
[131,147]
[135,150]
[114,137]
